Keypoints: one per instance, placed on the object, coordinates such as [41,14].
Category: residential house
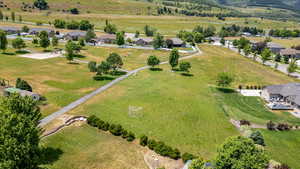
[177,42]
[145,41]
[10,30]
[36,31]
[274,47]
[74,35]
[107,38]
[289,93]
[12,90]
[290,53]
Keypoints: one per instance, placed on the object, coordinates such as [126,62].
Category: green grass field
[182,111]
[92,150]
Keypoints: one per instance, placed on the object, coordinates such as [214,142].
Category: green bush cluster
[114,129]
[188,156]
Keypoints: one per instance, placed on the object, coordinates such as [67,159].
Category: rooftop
[274,45]
[290,89]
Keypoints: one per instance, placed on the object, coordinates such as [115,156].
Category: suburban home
[74,35]
[177,42]
[214,39]
[36,31]
[288,93]
[10,30]
[144,41]
[290,53]
[107,38]
[274,47]
[11,90]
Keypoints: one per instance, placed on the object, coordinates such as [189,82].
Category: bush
[130,136]
[144,140]
[240,87]
[187,156]
[258,138]
[105,126]
[91,120]
[92,65]
[116,130]
[245,122]
[271,125]
[151,144]
[124,134]
[283,127]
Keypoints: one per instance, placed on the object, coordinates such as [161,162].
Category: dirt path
[83,99]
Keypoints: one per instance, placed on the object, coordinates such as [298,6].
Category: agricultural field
[151,101]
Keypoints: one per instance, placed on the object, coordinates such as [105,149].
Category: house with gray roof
[107,38]
[177,42]
[144,41]
[290,53]
[289,93]
[10,30]
[76,35]
[36,31]
[274,47]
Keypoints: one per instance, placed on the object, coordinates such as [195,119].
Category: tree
[103,68]
[115,61]
[1,15]
[18,43]
[153,61]
[240,152]
[35,41]
[44,39]
[23,85]
[143,140]
[169,43]
[277,58]
[74,11]
[158,41]
[137,34]
[20,18]
[258,138]
[92,65]
[13,16]
[224,79]
[198,37]
[120,38]
[41,4]
[90,34]
[149,31]
[292,67]
[271,125]
[173,58]
[81,42]
[25,29]
[185,66]
[3,41]
[19,133]
[71,49]
[85,25]
[266,54]
[110,28]
[197,164]
[222,41]
[247,49]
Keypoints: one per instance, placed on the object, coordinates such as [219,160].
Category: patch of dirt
[155,161]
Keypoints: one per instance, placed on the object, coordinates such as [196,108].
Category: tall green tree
[20,18]
[110,28]
[266,55]
[103,68]
[292,67]
[90,34]
[158,41]
[153,61]
[115,61]
[1,15]
[44,40]
[54,41]
[3,41]
[18,43]
[19,133]
[71,49]
[185,66]
[173,58]
[240,152]
[120,38]
[13,16]
[41,4]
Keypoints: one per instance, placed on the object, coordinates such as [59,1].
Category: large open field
[182,111]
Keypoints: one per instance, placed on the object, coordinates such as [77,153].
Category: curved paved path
[83,99]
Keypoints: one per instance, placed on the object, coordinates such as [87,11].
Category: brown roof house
[177,42]
[290,53]
[74,35]
[107,38]
[147,41]
[290,93]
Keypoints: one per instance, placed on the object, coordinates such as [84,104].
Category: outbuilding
[12,90]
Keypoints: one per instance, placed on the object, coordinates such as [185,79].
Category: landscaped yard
[85,147]
[181,111]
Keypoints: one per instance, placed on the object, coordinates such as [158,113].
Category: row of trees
[82,25]
[235,30]
[198,34]
[284,33]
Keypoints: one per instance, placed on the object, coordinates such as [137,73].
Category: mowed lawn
[283,146]
[85,147]
[181,111]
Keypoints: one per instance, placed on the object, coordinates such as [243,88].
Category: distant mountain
[282,4]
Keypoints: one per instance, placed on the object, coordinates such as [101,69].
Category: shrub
[130,136]
[151,144]
[247,87]
[258,138]
[106,126]
[144,140]
[92,65]
[187,156]
[271,125]
[240,87]
[124,134]
[245,122]
[116,129]
[283,127]
[91,120]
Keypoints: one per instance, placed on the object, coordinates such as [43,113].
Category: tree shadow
[73,63]
[102,78]
[118,73]
[225,90]
[50,155]
[176,69]
[156,69]
[79,56]
[8,53]
[22,52]
[187,74]
[47,50]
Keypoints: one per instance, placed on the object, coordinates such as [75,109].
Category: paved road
[80,101]
[281,67]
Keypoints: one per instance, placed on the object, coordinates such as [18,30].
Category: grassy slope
[93,150]
[284,146]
